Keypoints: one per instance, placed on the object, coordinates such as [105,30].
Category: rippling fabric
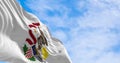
[14,30]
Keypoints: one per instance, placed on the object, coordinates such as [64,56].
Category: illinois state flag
[24,39]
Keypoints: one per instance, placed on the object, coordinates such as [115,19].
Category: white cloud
[109,58]
[93,38]
[105,19]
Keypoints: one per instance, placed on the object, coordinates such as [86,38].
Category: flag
[25,39]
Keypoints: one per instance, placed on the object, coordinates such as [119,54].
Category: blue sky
[89,29]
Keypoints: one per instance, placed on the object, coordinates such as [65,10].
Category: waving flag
[24,39]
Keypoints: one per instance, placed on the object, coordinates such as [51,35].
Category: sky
[89,29]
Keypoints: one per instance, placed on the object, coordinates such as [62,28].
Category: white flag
[24,39]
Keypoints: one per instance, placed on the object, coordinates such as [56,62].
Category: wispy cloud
[89,28]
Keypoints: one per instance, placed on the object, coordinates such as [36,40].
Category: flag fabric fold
[25,39]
